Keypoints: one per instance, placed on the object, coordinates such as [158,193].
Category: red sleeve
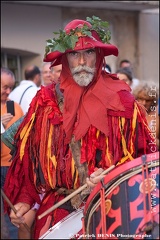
[19,186]
[24,196]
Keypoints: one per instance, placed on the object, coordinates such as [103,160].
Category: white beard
[83,79]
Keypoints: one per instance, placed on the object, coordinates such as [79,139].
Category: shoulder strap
[23,94]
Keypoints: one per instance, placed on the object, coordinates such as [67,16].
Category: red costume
[104,119]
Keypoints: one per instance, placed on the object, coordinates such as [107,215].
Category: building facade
[134,25]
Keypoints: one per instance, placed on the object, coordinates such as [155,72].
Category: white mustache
[78,69]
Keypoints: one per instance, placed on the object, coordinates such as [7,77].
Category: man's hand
[6,118]
[95,178]
[17,218]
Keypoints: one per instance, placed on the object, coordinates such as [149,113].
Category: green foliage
[101,27]
[68,41]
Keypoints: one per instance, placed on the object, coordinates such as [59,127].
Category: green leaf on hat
[68,40]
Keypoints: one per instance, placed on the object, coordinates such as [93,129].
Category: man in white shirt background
[27,89]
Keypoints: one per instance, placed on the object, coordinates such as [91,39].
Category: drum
[69,227]
[125,204]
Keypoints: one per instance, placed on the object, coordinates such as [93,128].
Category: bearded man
[95,123]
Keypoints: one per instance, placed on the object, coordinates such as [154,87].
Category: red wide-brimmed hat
[84,42]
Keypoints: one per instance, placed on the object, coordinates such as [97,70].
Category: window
[13,62]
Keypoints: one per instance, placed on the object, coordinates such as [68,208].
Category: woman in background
[147,94]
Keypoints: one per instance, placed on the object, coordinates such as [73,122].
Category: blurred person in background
[7,119]
[125,74]
[56,71]
[107,68]
[146,93]
[27,89]
[126,63]
[47,75]
[50,75]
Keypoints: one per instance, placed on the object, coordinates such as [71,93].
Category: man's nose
[82,59]
[8,90]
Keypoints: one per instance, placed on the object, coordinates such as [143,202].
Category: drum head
[67,228]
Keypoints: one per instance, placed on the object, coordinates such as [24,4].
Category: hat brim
[82,44]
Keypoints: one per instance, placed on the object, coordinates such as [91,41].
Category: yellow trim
[76,179]
[72,167]
[124,146]
[97,133]
[107,152]
[50,156]
[24,135]
[134,119]
[74,170]
[123,160]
